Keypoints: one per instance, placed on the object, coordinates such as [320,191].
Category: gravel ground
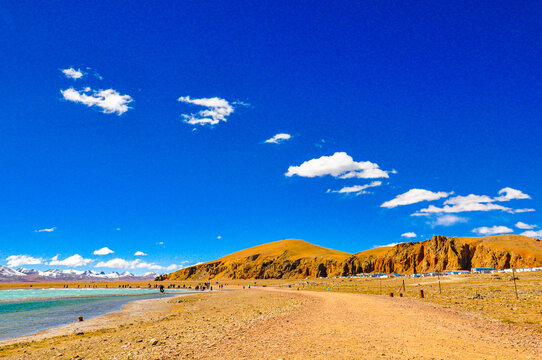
[279,324]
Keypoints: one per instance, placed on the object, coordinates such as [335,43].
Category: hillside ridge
[293,258]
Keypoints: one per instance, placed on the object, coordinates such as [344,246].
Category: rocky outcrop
[294,259]
[442,253]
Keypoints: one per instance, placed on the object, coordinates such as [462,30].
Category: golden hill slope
[290,259]
[280,259]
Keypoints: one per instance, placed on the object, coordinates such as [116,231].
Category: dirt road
[354,326]
[277,324]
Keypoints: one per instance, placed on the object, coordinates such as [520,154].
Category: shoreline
[10,301]
[100,322]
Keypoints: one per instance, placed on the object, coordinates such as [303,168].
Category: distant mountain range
[28,275]
[291,259]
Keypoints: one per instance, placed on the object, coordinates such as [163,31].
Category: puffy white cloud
[413,196]
[508,194]
[409,235]
[217,110]
[140,253]
[473,202]
[74,260]
[173,267]
[339,165]
[278,138]
[109,100]
[103,251]
[356,189]
[71,73]
[449,220]
[219,237]
[534,234]
[484,230]
[119,263]
[46,230]
[18,260]
[522,225]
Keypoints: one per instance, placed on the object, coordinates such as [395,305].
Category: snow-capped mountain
[9,272]
[22,274]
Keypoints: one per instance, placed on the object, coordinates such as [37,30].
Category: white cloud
[484,230]
[46,230]
[449,220]
[219,237]
[508,194]
[473,202]
[74,260]
[356,189]
[517,211]
[18,260]
[118,229]
[103,251]
[71,73]
[173,267]
[413,196]
[339,165]
[409,235]
[140,253]
[533,234]
[119,263]
[277,139]
[217,110]
[109,100]
[522,225]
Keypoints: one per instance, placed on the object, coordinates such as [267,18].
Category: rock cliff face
[294,259]
[442,253]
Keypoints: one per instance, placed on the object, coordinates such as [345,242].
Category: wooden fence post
[515,286]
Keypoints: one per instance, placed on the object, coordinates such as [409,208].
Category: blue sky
[155,140]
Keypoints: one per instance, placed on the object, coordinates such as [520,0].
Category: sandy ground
[280,324]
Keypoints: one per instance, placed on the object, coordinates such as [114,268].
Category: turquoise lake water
[26,311]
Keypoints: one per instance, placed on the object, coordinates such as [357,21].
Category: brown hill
[290,259]
[277,260]
[442,253]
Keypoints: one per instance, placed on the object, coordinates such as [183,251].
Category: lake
[26,311]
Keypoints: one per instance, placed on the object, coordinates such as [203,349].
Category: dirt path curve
[355,326]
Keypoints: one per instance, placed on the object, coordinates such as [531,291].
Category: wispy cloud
[522,225]
[18,260]
[473,202]
[119,263]
[356,189]
[46,229]
[74,260]
[71,73]
[278,138]
[339,165]
[413,196]
[217,110]
[449,220]
[103,251]
[494,230]
[110,101]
